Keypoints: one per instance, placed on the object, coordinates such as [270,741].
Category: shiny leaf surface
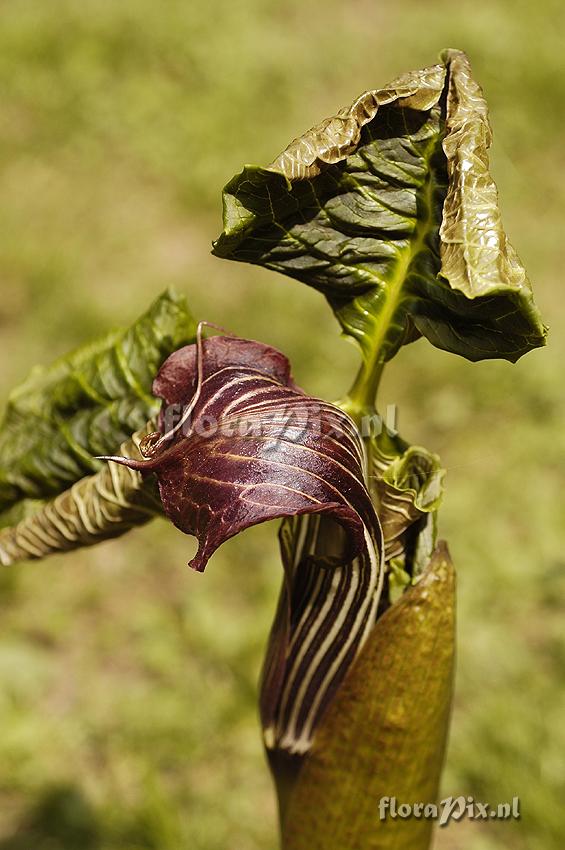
[389,209]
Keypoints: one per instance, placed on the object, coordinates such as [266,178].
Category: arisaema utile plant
[388,209]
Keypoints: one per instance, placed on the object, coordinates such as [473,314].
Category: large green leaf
[99,506]
[389,210]
[384,734]
[86,404]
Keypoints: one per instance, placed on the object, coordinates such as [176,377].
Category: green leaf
[390,211]
[86,404]
[384,734]
[99,506]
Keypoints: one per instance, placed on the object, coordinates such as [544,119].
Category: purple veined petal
[255,448]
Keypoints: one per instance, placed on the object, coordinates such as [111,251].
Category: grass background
[127,683]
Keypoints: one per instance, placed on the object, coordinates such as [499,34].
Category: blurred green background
[128,683]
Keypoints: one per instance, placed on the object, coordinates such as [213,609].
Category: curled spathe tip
[153,445]
[146,465]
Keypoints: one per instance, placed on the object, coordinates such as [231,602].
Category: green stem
[362,395]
